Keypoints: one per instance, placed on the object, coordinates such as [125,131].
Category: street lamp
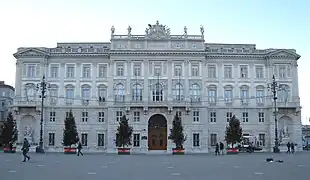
[274,87]
[43,86]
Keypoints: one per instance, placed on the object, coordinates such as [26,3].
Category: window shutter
[38,68]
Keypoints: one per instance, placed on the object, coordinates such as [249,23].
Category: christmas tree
[233,132]
[176,133]
[124,133]
[70,135]
[9,132]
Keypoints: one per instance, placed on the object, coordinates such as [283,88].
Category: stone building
[151,77]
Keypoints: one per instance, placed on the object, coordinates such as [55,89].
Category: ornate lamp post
[274,87]
[43,87]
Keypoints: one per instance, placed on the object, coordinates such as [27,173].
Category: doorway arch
[157,132]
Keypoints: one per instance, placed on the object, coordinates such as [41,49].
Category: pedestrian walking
[288,147]
[217,152]
[292,147]
[221,148]
[25,149]
[79,149]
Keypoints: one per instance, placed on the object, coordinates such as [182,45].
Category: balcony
[26,102]
[157,103]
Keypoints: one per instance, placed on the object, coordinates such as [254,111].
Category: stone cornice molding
[157,53]
[235,56]
[31,52]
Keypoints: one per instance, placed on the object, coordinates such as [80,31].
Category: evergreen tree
[176,133]
[9,132]
[124,133]
[70,134]
[233,132]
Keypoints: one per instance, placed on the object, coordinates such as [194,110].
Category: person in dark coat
[221,148]
[288,147]
[25,149]
[217,152]
[292,147]
[79,149]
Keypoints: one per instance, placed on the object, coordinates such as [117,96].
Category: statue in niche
[129,30]
[202,30]
[185,30]
[28,133]
[112,30]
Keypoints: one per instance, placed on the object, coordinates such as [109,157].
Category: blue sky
[268,24]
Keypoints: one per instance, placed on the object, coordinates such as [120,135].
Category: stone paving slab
[52,166]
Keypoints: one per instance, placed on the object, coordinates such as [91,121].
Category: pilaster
[169,75]
[146,87]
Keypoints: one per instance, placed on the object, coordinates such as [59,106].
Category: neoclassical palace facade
[149,78]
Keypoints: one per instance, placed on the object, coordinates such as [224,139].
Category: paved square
[154,167]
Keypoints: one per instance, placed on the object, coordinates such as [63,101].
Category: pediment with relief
[30,52]
[284,53]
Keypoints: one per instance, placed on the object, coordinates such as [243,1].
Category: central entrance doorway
[157,132]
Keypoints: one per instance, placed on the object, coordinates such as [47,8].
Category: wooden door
[157,139]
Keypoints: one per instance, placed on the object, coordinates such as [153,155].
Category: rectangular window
[195,70]
[86,71]
[136,140]
[51,139]
[245,117]
[100,140]
[31,71]
[177,70]
[102,72]
[101,95]
[84,139]
[213,139]
[100,116]
[212,96]
[243,72]
[52,116]
[70,71]
[260,96]
[196,140]
[262,139]
[261,116]
[259,72]
[137,70]
[211,71]
[228,116]
[84,116]
[212,116]
[228,95]
[244,94]
[69,96]
[282,72]
[54,71]
[119,115]
[157,70]
[136,116]
[196,116]
[119,70]
[227,71]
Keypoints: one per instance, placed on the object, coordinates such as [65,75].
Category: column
[93,97]
[77,92]
[146,81]
[128,81]
[186,81]
[18,79]
[169,76]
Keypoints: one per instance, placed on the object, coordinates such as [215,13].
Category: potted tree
[123,136]
[177,136]
[233,135]
[70,134]
[9,134]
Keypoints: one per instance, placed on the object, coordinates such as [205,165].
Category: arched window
[53,94]
[244,94]
[195,93]
[102,93]
[178,92]
[260,95]
[284,93]
[85,92]
[157,93]
[228,94]
[69,94]
[212,93]
[137,92]
[119,93]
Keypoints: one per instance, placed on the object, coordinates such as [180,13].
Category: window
[213,139]
[196,140]
[101,116]
[178,92]
[86,71]
[102,71]
[245,117]
[229,115]
[84,116]
[100,140]
[119,93]
[244,72]
[260,96]
[136,116]
[31,71]
[179,113]
[261,116]
[69,95]
[119,115]
[227,71]
[158,93]
[284,93]
[119,70]
[53,95]
[195,70]
[86,92]
[177,70]
[51,139]
[212,95]
[52,116]
[262,139]
[70,71]
[211,71]
[282,72]
[157,70]
[196,116]
[137,70]
[136,140]
[228,95]
[137,92]
[101,94]
[54,71]
[259,72]
[84,139]
[212,116]
[195,93]
[244,94]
